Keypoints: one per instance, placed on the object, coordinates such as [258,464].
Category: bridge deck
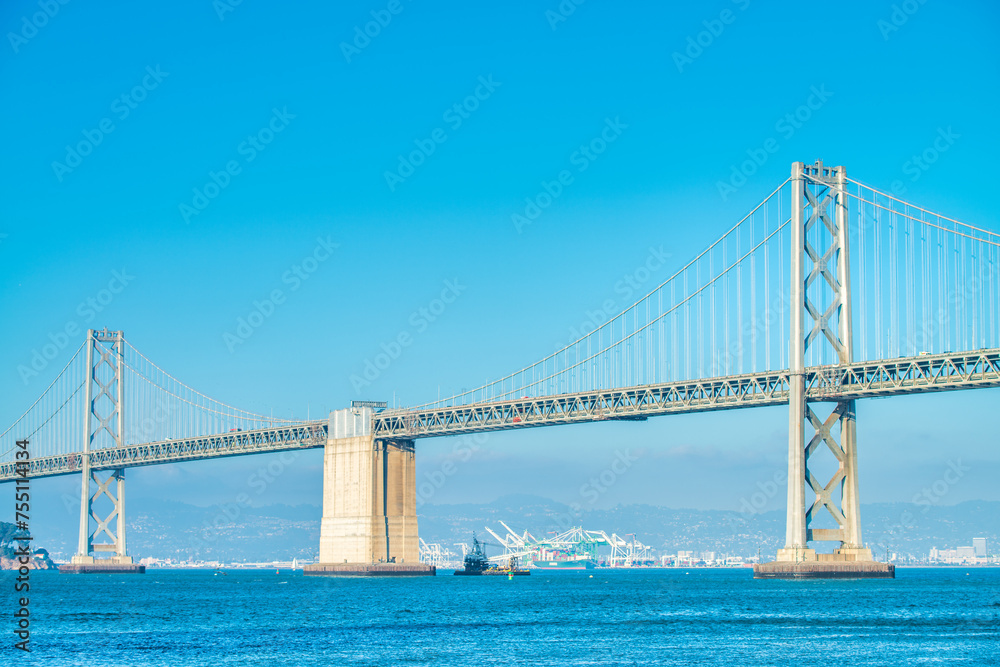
[895,377]
[237,443]
[908,375]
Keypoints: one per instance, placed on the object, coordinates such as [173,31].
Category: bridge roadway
[894,377]
[233,443]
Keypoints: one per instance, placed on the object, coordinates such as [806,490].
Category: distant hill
[178,530]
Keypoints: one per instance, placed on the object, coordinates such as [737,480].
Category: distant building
[979,546]
[957,556]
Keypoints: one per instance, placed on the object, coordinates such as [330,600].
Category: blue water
[653,617]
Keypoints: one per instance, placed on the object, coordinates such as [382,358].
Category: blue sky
[187,88]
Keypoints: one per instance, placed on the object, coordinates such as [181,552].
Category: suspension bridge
[827,292]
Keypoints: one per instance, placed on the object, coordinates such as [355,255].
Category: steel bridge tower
[821,323]
[102,497]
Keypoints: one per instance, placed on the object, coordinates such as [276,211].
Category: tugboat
[476,563]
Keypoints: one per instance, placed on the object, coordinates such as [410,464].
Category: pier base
[841,564]
[91,565]
[371,570]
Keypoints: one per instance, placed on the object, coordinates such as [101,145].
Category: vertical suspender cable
[712,307]
[753,293]
[730,337]
[739,301]
[767,290]
[862,251]
[701,328]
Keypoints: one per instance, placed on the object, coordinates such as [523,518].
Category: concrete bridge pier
[369,523]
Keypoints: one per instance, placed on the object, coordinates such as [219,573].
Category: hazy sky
[204,151]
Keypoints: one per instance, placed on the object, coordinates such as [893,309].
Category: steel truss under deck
[260,441]
[894,377]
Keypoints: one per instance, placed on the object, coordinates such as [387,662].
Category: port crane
[626,551]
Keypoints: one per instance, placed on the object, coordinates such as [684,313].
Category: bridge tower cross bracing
[103,426]
[826,280]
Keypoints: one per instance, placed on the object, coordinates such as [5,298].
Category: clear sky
[205,150]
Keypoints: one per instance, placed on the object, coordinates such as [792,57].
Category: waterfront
[638,617]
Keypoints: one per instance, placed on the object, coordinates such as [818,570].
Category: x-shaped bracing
[105,390]
[821,267]
[824,494]
[104,488]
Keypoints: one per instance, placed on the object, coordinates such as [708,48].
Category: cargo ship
[563,561]
[477,564]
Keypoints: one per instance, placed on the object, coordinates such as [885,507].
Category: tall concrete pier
[369,502]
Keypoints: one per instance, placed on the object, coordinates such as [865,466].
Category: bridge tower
[102,496]
[821,322]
